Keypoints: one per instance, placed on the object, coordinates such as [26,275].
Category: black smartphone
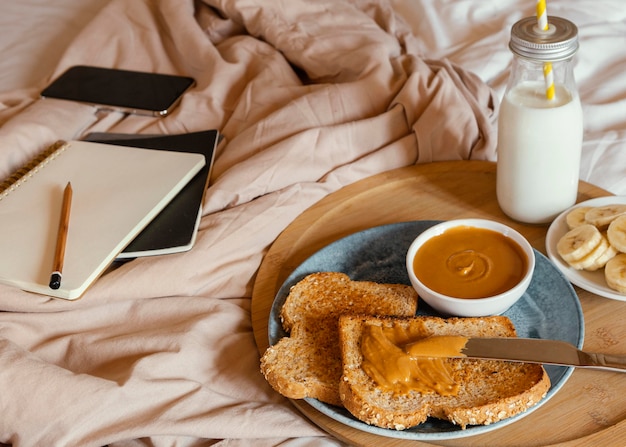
[128,91]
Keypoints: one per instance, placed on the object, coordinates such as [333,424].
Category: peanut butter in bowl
[470,262]
[470,267]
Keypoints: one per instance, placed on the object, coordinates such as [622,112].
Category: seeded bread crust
[489,390]
[308,362]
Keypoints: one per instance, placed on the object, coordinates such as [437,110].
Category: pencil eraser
[55,280]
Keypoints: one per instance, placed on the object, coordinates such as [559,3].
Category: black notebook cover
[174,229]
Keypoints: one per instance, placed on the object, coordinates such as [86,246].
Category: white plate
[549,309]
[593,282]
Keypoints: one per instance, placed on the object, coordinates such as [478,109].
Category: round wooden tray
[589,408]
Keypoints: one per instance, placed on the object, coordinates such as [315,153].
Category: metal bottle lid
[558,42]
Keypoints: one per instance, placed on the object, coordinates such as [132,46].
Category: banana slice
[578,243]
[617,233]
[615,273]
[597,258]
[609,254]
[576,217]
[602,216]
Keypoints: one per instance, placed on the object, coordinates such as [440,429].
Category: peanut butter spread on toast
[404,359]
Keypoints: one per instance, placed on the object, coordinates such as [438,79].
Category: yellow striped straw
[542,15]
[542,24]
[549,78]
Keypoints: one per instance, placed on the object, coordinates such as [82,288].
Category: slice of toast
[308,362]
[488,390]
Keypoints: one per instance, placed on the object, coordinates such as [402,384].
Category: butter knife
[529,350]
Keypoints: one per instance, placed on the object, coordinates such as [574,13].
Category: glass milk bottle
[540,138]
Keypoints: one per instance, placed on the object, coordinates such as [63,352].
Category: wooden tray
[590,408]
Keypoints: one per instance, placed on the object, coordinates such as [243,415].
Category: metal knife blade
[534,350]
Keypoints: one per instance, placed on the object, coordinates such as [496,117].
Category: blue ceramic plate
[549,309]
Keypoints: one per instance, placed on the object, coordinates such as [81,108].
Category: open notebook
[117,191]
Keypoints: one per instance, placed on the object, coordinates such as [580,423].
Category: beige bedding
[310,96]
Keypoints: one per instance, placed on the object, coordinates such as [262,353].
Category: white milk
[539,149]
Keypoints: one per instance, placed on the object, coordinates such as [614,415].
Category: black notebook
[174,229]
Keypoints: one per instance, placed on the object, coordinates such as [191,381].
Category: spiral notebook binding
[29,169]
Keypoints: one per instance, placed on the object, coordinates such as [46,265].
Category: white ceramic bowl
[471,307]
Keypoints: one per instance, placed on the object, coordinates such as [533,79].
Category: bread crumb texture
[489,390]
[307,363]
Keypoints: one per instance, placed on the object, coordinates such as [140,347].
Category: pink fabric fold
[310,97]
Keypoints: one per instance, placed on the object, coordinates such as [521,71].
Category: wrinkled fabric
[309,97]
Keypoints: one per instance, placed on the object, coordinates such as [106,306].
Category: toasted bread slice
[308,362]
[488,390]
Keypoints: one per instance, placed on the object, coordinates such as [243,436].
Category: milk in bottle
[539,139]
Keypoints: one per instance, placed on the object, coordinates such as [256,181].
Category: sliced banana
[617,233]
[597,258]
[615,273]
[578,243]
[609,254]
[602,216]
[576,217]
